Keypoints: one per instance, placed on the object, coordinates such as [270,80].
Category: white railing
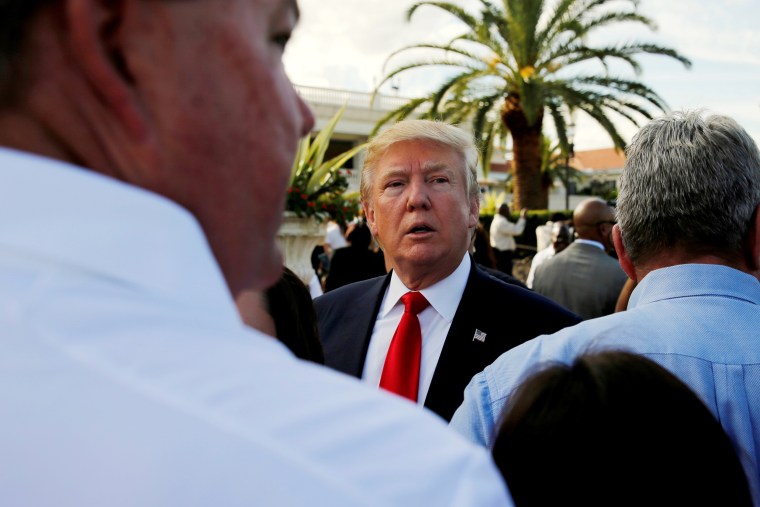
[315,95]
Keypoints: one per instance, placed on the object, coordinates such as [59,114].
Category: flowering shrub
[329,202]
[317,187]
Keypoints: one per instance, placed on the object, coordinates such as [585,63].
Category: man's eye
[281,39]
[440,180]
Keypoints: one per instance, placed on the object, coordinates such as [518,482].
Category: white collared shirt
[128,378]
[435,321]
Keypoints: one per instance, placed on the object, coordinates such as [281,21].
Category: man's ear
[369,212]
[623,258]
[94,40]
[474,216]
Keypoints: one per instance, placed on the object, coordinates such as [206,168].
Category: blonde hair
[424,130]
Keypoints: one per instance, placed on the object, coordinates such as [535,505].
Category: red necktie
[401,372]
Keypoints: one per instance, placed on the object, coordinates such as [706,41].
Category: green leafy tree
[518,60]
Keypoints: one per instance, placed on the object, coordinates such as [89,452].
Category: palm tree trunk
[526,156]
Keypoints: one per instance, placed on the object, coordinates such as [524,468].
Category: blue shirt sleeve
[474,419]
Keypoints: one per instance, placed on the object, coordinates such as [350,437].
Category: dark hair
[483,254]
[15,17]
[295,319]
[614,428]
[359,235]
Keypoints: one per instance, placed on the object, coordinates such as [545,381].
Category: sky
[344,44]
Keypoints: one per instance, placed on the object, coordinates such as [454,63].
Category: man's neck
[677,258]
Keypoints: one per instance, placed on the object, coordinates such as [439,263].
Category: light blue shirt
[701,322]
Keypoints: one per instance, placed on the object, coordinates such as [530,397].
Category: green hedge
[533,220]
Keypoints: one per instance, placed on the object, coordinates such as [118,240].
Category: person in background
[560,239]
[286,311]
[688,234]
[503,234]
[356,261]
[584,278]
[436,319]
[614,428]
[146,147]
[483,255]
[544,232]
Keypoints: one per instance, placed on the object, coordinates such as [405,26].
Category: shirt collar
[685,280]
[94,223]
[443,296]
[589,242]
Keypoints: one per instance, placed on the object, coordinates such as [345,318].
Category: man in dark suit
[420,195]
[584,277]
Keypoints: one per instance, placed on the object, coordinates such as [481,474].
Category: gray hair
[688,181]
[15,17]
[410,130]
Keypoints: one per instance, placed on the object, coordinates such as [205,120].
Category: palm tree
[521,59]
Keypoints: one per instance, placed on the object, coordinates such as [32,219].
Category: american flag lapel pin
[479,335]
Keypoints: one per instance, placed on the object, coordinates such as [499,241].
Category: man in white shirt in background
[544,232]
[503,234]
[147,146]
[560,239]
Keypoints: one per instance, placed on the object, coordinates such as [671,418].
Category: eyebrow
[428,167]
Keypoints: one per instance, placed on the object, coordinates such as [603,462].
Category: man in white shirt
[147,146]
[560,239]
[544,232]
[421,200]
[503,233]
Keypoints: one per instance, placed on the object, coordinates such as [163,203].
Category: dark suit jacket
[351,264]
[509,315]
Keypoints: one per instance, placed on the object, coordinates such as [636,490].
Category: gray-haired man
[688,232]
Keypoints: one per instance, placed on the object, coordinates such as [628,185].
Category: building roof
[604,159]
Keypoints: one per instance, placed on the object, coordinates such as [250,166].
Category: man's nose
[418,197]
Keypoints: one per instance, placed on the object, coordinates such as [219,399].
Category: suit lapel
[459,351]
[364,322]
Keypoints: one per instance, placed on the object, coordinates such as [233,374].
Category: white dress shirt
[503,232]
[435,322]
[128,379]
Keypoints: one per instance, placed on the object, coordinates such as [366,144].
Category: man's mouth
[420,229]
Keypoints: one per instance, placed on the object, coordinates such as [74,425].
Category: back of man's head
[560,236]
[690,183]
[593,219]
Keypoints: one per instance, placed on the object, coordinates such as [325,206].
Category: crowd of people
[154,352]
